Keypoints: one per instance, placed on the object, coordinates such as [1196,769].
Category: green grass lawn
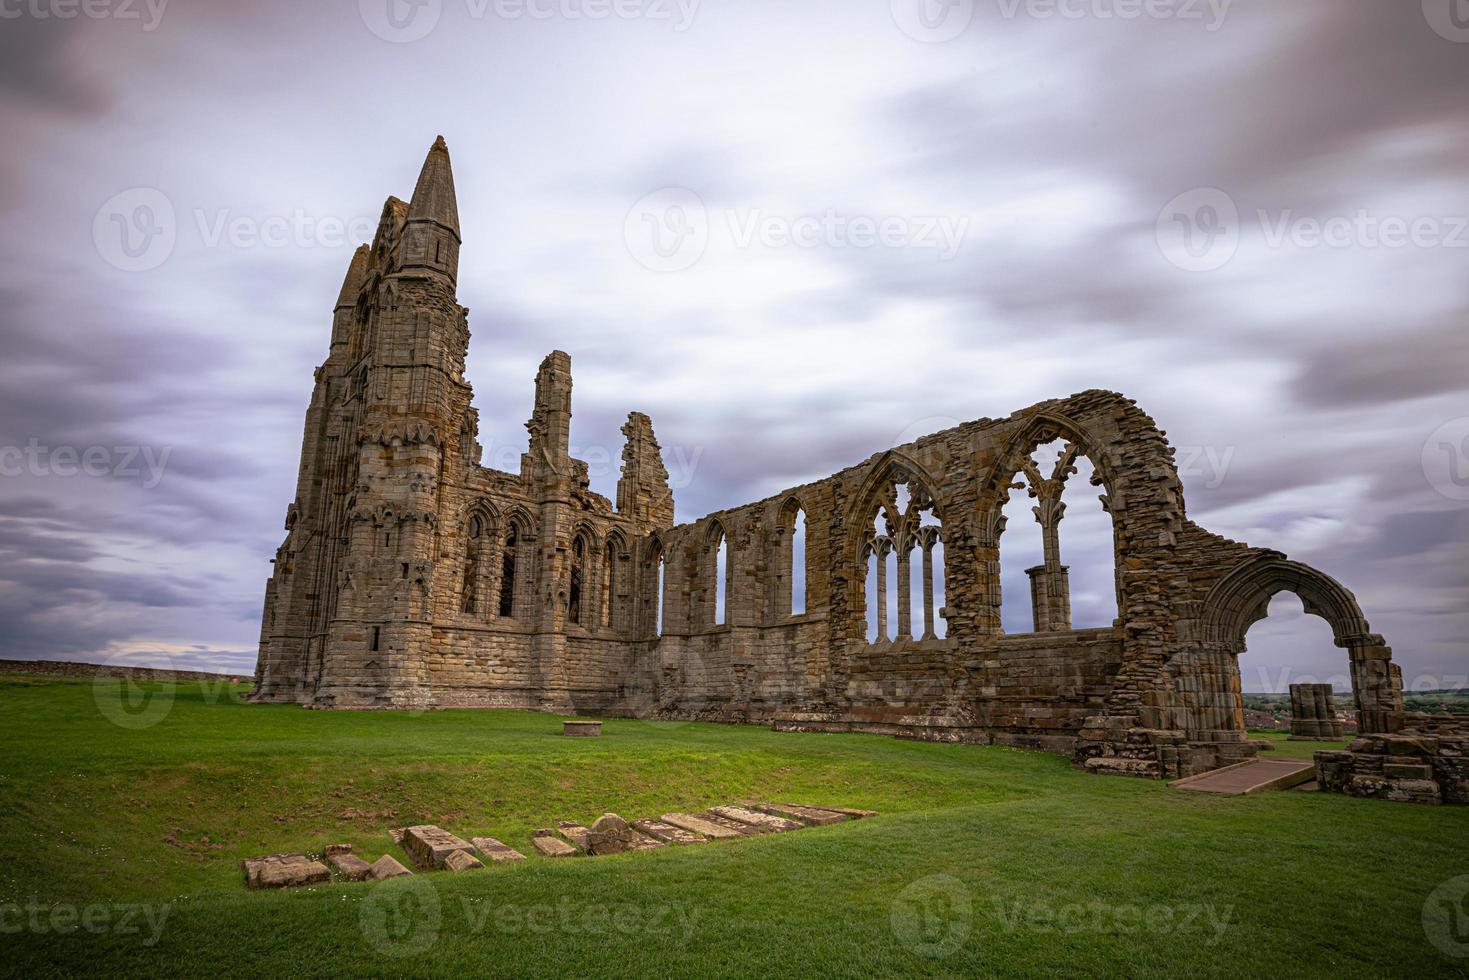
[984,860]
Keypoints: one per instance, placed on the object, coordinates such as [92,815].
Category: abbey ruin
[412,576]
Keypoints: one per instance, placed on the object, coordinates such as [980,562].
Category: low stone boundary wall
[1408,768]
[66,668]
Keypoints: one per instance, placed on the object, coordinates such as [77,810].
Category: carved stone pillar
[905,589]
[880,550]
[928,630]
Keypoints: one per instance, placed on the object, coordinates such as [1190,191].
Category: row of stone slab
[432,848]
[295,870]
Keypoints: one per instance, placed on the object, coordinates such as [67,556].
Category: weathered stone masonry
[411,576]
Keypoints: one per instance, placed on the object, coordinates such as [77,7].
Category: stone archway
[1242,598]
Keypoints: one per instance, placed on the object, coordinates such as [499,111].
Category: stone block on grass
[668,833]
[284,871]
[574,832]
[462,861]
[349,866]
[807,815]
[429,846]
[386,867]
[613,835]
[754,818]
[546,842]
[702,825]
[496,850]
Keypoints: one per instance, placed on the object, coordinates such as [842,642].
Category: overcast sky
[874,219]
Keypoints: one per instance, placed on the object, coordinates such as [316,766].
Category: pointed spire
[356,276]
[433,198]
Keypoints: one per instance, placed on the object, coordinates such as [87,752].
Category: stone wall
[1406,768]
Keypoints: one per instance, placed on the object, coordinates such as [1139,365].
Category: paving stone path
[434,848]
[754,818]
[668,833]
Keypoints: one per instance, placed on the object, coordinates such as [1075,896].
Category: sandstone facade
[412,576]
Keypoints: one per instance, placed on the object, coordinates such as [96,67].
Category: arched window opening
[574,590]
[661,585]
[716,576]
[1021,549]
[798,563]
[904,586]
[609,572]
[874,604]
[721,594]
[472,570]
[507,573]
[650,589]
[1040,591]
[1291,646]
[788,596]
[929,574]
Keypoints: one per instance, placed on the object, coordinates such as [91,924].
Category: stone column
[1050,584]
[928,631]
[1305,706]
[883,546]
[905,589]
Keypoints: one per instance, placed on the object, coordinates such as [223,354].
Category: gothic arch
[1040,429]
[1050,590]
[517,566]
[713,573]
[889,467]
[1242,598]
[785,571]
[654,565]
[579,610]
[613,585]
[481,550]
[878,497]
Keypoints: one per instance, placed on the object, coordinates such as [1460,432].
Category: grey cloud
[1378,369]
[36,66]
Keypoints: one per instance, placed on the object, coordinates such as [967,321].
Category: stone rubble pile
[432,848]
